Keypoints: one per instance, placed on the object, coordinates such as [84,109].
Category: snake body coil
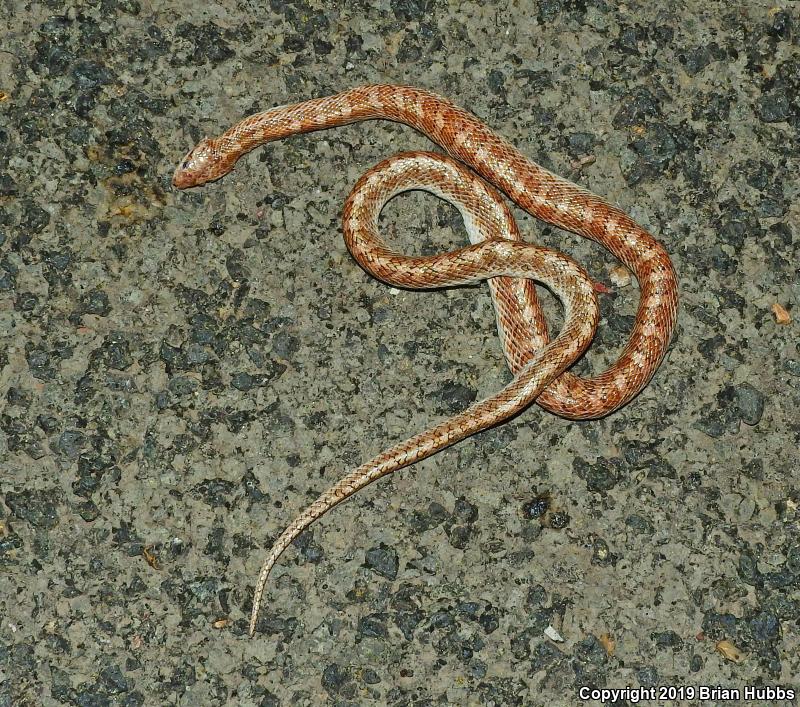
[497,253]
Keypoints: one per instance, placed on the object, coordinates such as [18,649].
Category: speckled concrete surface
[183,372]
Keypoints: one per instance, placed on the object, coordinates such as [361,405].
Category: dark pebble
[748,570]
[667,639]
[26,302]
[40,362]
[773,107]
[639,524]
[536,507]
[544,655]
[215,492]
[36,507]
[90,76]
[383,560]
[718,626]
[34,217]
[209,44]
[654,151]
[765,627]
[465,512]
[696,59]
[636,108]
[10,544]
[459,536]
[204,589]
[441,619]
[793,559]
[8,187]
[70,443]
[370,677]
[579,144]
[335,678]
[454,396]
[782,23]
[182,386]
[373,626]
[590,651]
[750,403]
[411,10]
[489,621]
[242,381]
[96,302]
[497,82]
[433,516]
[88,510]
[114,681]
[647,676]
[285,345]
[601,476]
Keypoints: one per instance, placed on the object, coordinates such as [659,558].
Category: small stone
[601,554]
[750,402]
[411,10]
[459,536]
[242,381]
[35,507]
[553,635]
[113,679]
[383,560]
[433,516]
[26,302]
[579,144]
[536,507]
[370,677]
[773,107]
[70,443]
[96,302]
[765,627]
[667,639]
[465,512]
[647,676]
[454,396]
[601,476]
[558,520]
[335,677]
[636,108]
[373,626]
[182,386]
[639,524]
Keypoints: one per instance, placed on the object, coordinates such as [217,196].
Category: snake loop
[496,253]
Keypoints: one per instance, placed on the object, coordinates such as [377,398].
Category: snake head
[200,165]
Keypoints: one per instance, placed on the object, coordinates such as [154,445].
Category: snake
[476,168]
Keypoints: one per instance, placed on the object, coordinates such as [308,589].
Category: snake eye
[185,164]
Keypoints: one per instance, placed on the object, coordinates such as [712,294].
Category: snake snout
[196,168]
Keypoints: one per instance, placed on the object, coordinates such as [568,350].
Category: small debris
[149,557]
[221,623]
[553,635]
[582,161]
[608,643]
[728,651]
[537,507]
[782,316]
[620,276]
